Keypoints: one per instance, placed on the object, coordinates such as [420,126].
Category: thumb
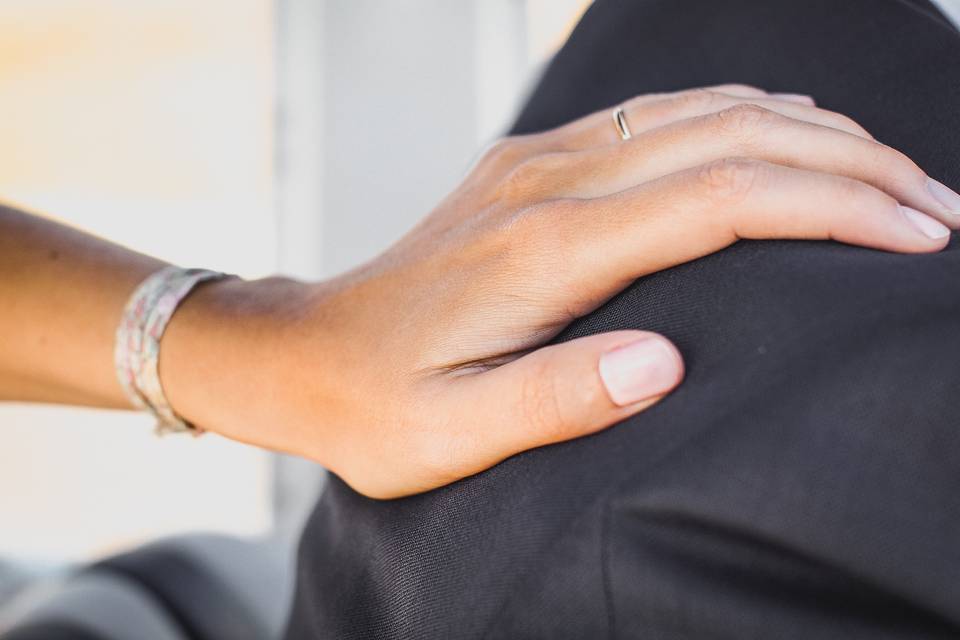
[575,388]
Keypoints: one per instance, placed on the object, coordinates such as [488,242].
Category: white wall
[149,123]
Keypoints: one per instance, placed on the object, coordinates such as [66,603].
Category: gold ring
[620,122]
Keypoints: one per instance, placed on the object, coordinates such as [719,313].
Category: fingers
[699,211]
[647,112]
[742,131]
[694,104]
[741,90]
[561,392]
[643,113]
[596,129]
[795,97]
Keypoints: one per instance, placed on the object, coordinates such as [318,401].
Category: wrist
[222,351]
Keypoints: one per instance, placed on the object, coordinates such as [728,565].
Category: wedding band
[620,122]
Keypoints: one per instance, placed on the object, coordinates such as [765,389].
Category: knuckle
[540,403]
[744,120]
[896,165]
[524,238]
[520,182]
[859,195]
[527,179]
[852,125]
[856,199]
[695,100]
[853,192]
[506,152]
[880,158]
[730,179]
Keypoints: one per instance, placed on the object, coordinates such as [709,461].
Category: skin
[427,364]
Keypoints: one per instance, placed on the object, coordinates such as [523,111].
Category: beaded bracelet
[137,348]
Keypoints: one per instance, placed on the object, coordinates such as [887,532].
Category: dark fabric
[51,631]
[803,481]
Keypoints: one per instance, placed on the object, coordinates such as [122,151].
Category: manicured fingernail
[794,97]
[925,224]
[945,195]
[640,370]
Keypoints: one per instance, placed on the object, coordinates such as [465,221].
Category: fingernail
[640,370]
[945,195]
[925,224]
[794,97]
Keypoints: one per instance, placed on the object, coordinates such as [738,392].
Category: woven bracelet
[137,347]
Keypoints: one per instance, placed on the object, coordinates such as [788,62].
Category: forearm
[63,292]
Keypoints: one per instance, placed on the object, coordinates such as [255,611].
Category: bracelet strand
[137,347]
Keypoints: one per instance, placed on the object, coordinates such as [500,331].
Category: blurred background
[250,136]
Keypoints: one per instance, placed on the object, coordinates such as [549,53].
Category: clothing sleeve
[801,482]
[818,497]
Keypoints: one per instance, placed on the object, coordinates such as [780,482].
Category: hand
[426,365]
